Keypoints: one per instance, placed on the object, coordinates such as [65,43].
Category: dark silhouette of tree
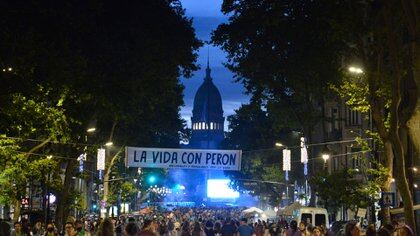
[114,64]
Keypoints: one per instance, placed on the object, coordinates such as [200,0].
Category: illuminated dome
[207,101]
[207,120]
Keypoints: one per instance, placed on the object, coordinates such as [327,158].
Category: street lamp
[355,70]
[91,130]
[109,144]
[325,157]
[279,145]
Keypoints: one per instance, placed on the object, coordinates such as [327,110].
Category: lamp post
[325,154]
[286,165]
[88,199]
[106,178]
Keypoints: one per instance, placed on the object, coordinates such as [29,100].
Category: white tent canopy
[270,213]
[253,210]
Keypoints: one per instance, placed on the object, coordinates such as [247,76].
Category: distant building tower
[207,120]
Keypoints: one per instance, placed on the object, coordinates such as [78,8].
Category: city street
[209,118]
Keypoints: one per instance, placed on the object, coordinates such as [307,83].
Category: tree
[113,64]
[379,35]
[277,49]
[343,189]
[19,167]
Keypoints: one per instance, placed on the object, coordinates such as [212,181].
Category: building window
[353,117]
[335,163]
[211,125]
[334,118]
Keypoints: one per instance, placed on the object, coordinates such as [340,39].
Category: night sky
[207,16]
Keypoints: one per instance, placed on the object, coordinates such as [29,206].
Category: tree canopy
[111,65]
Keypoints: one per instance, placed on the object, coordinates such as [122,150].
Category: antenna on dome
[208,57]
[208,77]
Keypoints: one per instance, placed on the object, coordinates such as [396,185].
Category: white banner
[100,164]
[183,158]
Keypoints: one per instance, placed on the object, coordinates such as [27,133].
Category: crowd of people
[195,222]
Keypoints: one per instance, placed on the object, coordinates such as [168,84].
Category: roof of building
[207,101]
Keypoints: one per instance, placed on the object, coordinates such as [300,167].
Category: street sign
[388,199]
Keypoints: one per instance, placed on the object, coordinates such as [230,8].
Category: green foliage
[128,190]
[347,188]
[18,171]
[27,117]
[355,91]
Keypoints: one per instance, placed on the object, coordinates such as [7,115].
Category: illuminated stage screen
[219,188]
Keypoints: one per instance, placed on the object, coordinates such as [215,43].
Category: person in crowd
[403,230]
[244,229]
[79,228]
[197,231]
[265,228]
[217,228]
[69,229]
[275,229]
[171,227]
[259,228]
[185,231]
[386,230]
[38,229]
[177,229]
[293,229]
[317,231]
[106,228]
[26,227]
[119,226]
[162,228]
[131,229]
[303,229]
[352,229]
[209,228]
[50,230]
[17,229]
[228,229]
[371,231]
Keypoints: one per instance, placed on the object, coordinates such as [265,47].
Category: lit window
[199,125]
[211,125]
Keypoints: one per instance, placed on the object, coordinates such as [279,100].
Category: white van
[312,215]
